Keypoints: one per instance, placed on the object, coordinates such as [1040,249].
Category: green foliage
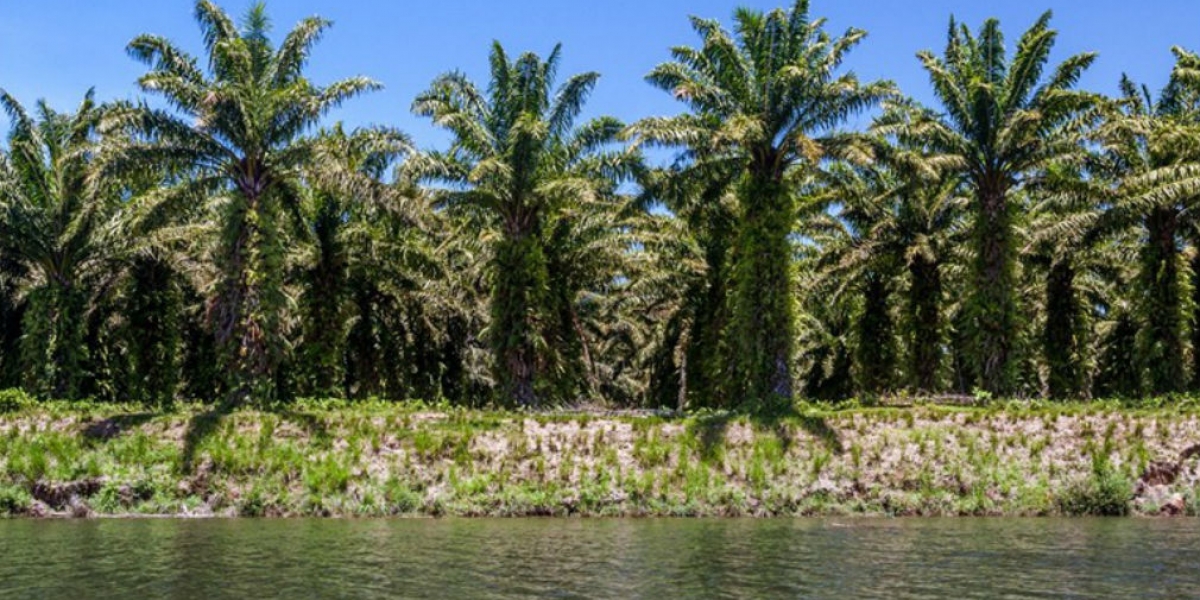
[240,134]
[764,106]
[152,333]
[1023,238]
[59,234]
[14,400]
[1003,118]
[521,166]
[1161,345]
[14,500]
[762,327]
[1061,336]
[1105,493]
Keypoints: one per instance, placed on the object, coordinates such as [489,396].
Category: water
[660,559]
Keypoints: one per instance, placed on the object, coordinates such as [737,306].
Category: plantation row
[1021,238]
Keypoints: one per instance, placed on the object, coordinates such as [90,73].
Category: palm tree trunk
[994,309]
[876,354]
[763,327]
[1162,305]
[1117,372]
[52,345]
[1060,343]
[323,350]
[1195,383]
[152,331]
[250,300]
[925,294]
[520,279]
[708,385]
[593,380]
[363,357]
[682,403]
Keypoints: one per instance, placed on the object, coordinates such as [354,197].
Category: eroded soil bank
[384,460]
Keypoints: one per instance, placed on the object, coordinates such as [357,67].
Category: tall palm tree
[857,266]
[345,189]
[1003,122]
[1149,150]
[904,213]
[763,101]
[60,233]
[518,160]
[240,131]
[1075,263]
[691,245]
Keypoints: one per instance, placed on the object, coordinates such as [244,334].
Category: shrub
[401,498]
[14,500]
[13,400]
[1106,493]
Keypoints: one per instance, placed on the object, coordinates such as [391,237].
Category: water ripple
[656,559]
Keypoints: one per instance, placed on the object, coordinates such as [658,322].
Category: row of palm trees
[1024,237]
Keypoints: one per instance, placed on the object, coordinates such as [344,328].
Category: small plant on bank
[14,500]
[14,400]
[1105,493]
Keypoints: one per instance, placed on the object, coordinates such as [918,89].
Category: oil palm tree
[1075,263]
[763,101]
[518,159]
[1149,151]
[1003,120]
[240,130]
[345,193]
[60,233]
[856,266]
[904,215]
[691,281]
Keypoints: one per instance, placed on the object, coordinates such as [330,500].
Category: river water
[659,559]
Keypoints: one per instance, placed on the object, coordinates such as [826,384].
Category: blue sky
[56,49]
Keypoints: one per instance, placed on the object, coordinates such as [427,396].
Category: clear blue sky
[56,49]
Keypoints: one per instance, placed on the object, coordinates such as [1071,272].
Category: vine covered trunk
[1195,319]
[153,331]
[876,345]
[1060,341]
[52,345]
[520,273]
[993,305]
[250,299]
[707,381]
[763,321]
[925,294]
[323,350]
[1161,305]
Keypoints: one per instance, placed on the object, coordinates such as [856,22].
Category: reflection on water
[660,559]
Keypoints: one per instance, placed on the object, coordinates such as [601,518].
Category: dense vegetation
[1022,237]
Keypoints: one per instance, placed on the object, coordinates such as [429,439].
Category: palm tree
[689,284]
[1149,151]
[857,266]
[518,160]
[1002,123]
[346,192]
[1076,264]
[60,234]
[240,132]
[764,101]
[903,215]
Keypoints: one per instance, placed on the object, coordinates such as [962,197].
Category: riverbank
[379,460]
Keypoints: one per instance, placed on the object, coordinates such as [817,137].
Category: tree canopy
[224,240]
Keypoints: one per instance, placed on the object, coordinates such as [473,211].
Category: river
[658,559]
